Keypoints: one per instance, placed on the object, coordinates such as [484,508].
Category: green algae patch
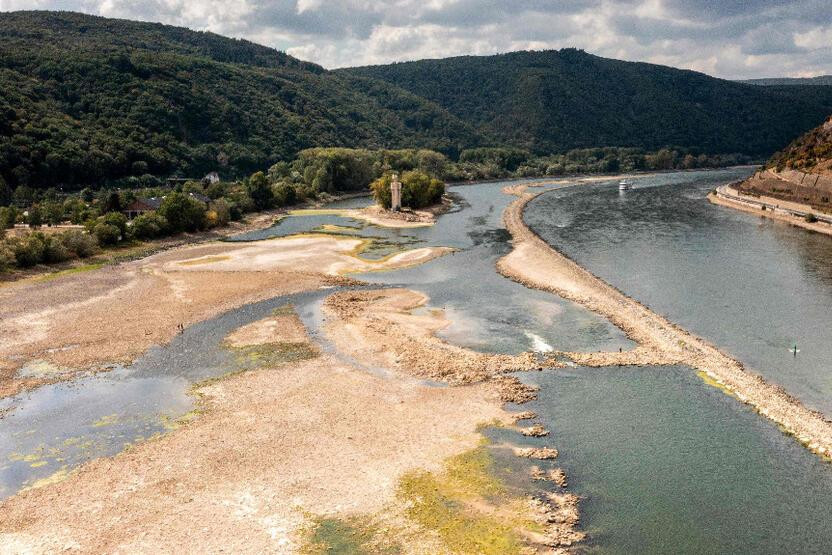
[468,506]
[107,420]
[272,354]
[284,310]
[348,536]
[713,383]
[68,272]
[204,260]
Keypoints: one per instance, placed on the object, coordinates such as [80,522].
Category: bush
[216,190]
[54,250]
[117,220]
[418,190]
[260,191]
[29,250]
[148,226]
[182,213]
[222,210]
[7,259]
[80,244]
[381,191]
[106,234]
[284,194]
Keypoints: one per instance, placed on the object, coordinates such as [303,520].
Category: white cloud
[729,39]
[813,39]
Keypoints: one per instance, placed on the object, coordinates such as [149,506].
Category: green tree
[34,216]
[53,212]
[23,196]
[5,192]
[117,220]
[111,202]
[182,213]
[106,234]
[260,191]
[148,226]
[8,217]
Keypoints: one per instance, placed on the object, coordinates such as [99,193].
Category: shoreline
[536,264]
[384,446]
[729,197]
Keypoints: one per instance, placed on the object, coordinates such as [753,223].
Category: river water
[664,462]
[753,286]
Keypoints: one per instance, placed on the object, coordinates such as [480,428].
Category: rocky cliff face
[809,154]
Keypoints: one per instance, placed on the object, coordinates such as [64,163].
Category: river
[664,462]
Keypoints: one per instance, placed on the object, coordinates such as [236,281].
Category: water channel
[665,463]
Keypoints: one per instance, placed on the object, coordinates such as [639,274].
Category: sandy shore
[379,328]
[279,453]
[272,449]
[781,216]
[54,329]
[535,264]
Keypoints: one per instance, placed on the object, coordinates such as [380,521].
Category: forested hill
[820,80]
[554,100]
[87,100]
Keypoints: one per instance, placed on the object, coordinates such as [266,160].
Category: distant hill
[825,80]
[555,100]
[85,99]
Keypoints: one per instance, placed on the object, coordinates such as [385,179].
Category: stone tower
[395,193]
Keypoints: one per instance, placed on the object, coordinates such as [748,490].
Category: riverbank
[92,321]
[535,264]
[275,453]
[792,213]
[271,452]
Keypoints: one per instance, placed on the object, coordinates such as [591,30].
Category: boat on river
[623,185]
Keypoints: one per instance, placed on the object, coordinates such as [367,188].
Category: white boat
[623,185]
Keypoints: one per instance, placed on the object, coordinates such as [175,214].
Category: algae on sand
[272,354]
[348,536]
[468,506]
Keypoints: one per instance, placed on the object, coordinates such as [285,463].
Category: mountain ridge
[571,97]
[92,100]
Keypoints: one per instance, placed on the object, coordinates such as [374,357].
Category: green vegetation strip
[467,505]
[352,535]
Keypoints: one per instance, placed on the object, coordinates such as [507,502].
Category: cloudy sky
[726,38]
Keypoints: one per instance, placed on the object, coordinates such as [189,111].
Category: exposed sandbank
[376,216]
[378,327]
[535,264]
[270,448]
[84,321]
[275,446]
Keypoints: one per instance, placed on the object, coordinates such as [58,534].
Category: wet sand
[274,449]
[56,329]
[271,449]
[535,264]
